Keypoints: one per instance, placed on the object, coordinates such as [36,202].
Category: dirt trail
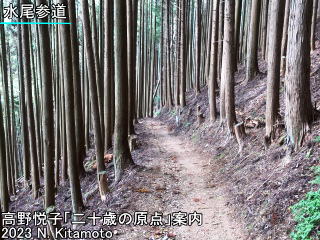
[194,174]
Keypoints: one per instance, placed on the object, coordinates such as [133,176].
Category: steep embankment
[262,183]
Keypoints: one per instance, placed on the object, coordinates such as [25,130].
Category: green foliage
[173,112]
[309,153]
[317,178]
[157,113]
[307,213]
[317,139]
[187,124]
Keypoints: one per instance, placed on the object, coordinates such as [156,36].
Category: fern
[307,213]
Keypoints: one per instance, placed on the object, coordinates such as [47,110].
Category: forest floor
[180,179]
[197,167]
[170,177]
[191,167]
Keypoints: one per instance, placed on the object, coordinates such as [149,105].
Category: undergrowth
[307,213]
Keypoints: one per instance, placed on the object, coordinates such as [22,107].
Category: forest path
[193,173]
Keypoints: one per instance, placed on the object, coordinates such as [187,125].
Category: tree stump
[133,142]
[178,116]
[240,132]
[200,117]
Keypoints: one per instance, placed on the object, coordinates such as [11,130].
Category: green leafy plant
[317,178]
[307,213]
[317,139]
[309,153]
[187,124]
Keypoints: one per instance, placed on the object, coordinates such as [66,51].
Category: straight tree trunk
[285,38]
[213,62]
[122,155]
[23,117]
[227,74]
[252,50]
[101,172]
[79,125]
[108,74]
[198,45]
[132,89]
[237,31]
[298,113]
[220,41]
[130,60]
[183,51]
[274,57]
[314,24]
[5,198]
[99,80]
[30,110]
[47,119]
[168,62]
[7,112]
[77,203]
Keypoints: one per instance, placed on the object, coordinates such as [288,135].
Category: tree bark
[285,38]
[108,76]
[5,198]
[213,62]
[79,125]
[101,172]
[252,51]
[183,58]
[314,24]
[30,110]
[122,155]
[77,202]
[274,58]
[227,74]
[298,113]
[47,119]
[198,46]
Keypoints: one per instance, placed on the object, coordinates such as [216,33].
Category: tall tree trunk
[213,62]
[101,172]
[130,60]
[298,113]
[79,125]
[23,113]
[30,110]
[168,62]
[108,76]
[314,24]
[237,31]
[7,112]
[47,119]
[4,191]
[274,57]
[285,38]
[252,50]
[198,45]
[220,42]
[183,57]
[122,155]
[132,89]
[77,203]
[99,80]
[227,74]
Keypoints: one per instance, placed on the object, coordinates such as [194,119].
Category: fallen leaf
[171,235]
[143,190]
[196,199]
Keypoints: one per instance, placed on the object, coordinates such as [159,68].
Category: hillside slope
[262,182]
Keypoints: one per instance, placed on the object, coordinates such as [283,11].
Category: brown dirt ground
[170,176]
